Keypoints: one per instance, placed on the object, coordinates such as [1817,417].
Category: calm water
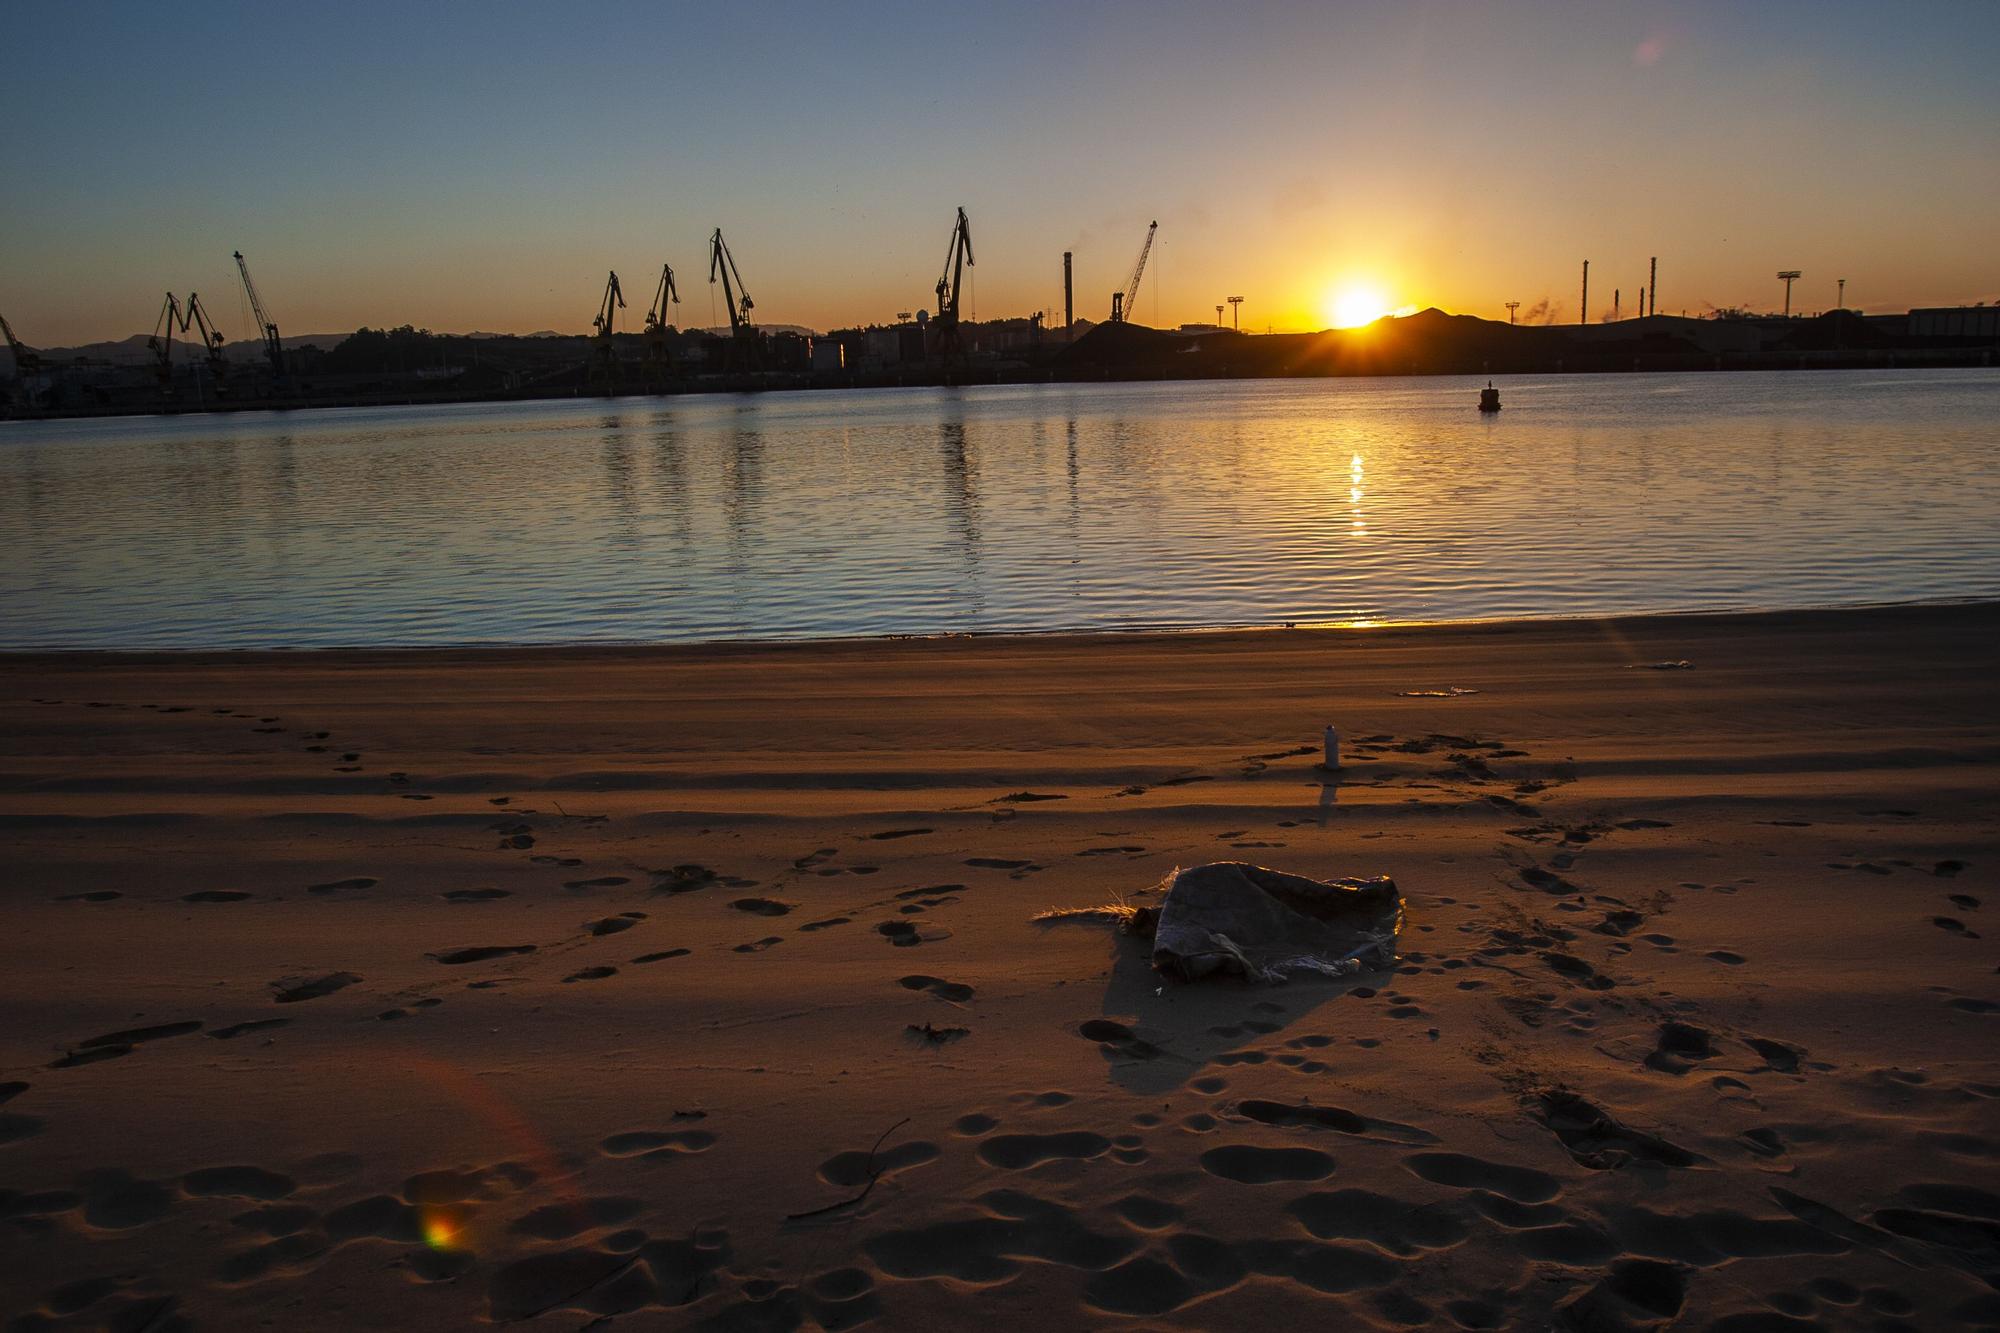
[1017,508]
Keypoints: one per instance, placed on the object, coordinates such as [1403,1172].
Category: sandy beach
[699,987]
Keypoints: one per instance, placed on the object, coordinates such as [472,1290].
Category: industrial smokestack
[1069,298]
[1583,315]
[1653,287]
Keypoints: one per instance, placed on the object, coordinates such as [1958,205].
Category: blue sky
[469,166]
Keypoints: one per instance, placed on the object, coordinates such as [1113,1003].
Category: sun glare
[1356,304]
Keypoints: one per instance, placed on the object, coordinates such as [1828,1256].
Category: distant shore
[1428,344]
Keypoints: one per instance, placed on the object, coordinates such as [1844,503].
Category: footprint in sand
[955,992]
[474,895]
[1315,1117]
[1680,1047]
[1547,881]
[1951,925]
[215,896]
[235,1030]
[592,974]
[1598,1140]
[111,1045]
[336,886]
[237,1182]
[661,956]
[763,906]
[93,896]
[657,1143]
[613,925]
[1117,1039]
[1146,1213]
[601,882]
[14,1128]
[1018,1152]
[758,946]
[854,1168]
[293,990]
[1576,970]
[825,923]
[887,834]
[1248,1164]
[1518,1183]
[479,954]
[114,1200]
[1402,1228]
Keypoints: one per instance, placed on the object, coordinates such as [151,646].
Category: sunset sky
[479,167]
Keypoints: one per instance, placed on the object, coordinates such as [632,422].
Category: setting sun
[1356,304]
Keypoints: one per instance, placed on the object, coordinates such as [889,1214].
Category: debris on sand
[1677,664]
[1237,919]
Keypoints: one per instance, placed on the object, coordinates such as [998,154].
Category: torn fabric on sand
[1234,918]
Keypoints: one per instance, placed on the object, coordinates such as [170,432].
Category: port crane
[274,347]
[1123,303]
[658,322]
[160,342]
[957,258]
[605,324]
[26,359]
[722,266]
[193,315]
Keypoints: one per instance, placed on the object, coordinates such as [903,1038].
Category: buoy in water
[1489,398]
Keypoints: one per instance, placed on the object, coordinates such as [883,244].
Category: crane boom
[1131,294]
[211,337]
[161,342]
[722,265]
[274,348]
[26,358]
[607,310]
[657,319]
[957,258]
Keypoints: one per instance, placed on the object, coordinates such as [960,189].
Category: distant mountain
[133,351]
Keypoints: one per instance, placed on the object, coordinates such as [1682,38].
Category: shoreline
[1788,363]
[591,647]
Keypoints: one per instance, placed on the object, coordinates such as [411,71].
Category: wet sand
[697,986]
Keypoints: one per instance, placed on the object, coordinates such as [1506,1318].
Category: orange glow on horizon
[1355,303]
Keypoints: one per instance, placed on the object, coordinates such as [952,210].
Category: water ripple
[1020,508]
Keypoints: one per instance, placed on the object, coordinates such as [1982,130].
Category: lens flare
[443,1228]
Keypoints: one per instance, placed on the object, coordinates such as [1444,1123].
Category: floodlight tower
[1218,317]
[1512,306]
[1236,313]
[1788,276]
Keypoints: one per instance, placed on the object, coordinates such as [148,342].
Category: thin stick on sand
[874,1174]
